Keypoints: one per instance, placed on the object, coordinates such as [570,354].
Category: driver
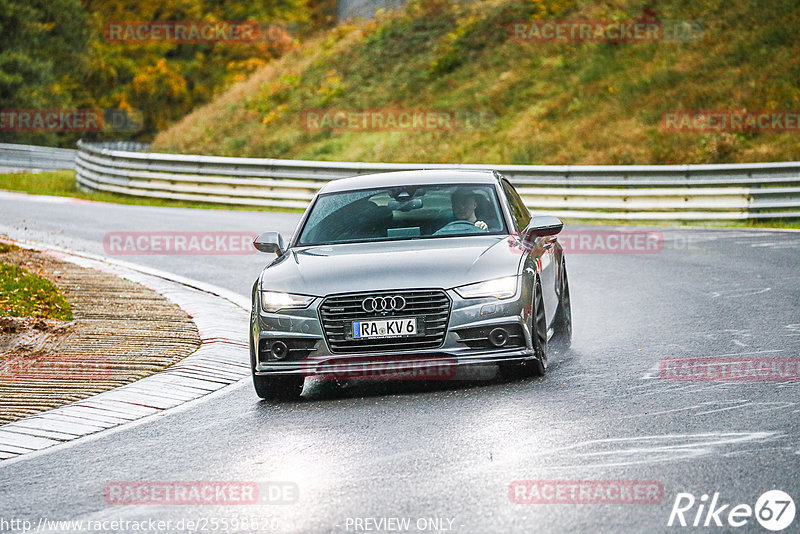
[465,202]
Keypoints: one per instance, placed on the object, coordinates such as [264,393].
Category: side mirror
[270,242]
[543,226]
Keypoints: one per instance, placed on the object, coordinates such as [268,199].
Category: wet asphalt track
[450,451]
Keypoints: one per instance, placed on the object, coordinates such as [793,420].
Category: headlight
[272,301]
[501,288]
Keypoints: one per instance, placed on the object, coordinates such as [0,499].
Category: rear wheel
[563,322]
[538,365]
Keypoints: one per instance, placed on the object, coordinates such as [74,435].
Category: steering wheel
[460,226]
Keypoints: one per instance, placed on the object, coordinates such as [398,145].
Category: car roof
[400,178]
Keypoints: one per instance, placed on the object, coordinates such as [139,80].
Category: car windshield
[407,212]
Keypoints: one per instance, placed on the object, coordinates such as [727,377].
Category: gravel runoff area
[121,332]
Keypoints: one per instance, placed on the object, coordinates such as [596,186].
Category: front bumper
[303,328]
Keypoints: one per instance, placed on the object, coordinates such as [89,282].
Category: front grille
[339,311]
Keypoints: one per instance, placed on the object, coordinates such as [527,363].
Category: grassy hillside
[550,103]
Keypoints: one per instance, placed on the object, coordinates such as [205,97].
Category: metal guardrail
[36,157]
[660,192]
[126,146]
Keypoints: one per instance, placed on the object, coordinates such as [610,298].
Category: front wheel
[272,387]
[282,388]
[538,365]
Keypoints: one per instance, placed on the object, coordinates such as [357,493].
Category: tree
[43,46]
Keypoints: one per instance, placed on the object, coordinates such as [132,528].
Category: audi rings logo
[383,304]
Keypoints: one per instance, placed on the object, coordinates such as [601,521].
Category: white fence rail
[660,192]
[36,157]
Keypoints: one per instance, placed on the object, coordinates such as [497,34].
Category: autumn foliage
[54,55]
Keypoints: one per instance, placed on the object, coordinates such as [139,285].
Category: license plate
[382,328]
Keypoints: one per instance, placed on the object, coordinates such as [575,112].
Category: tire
[538,365]
[279,388]
[275,387]
[563,319]
[539,331]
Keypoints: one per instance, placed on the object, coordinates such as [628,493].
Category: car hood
[425,263]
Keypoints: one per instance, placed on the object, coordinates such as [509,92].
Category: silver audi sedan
[409,273]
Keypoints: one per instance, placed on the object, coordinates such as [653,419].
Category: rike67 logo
[774,510]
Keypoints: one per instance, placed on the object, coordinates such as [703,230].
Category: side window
[518,209]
